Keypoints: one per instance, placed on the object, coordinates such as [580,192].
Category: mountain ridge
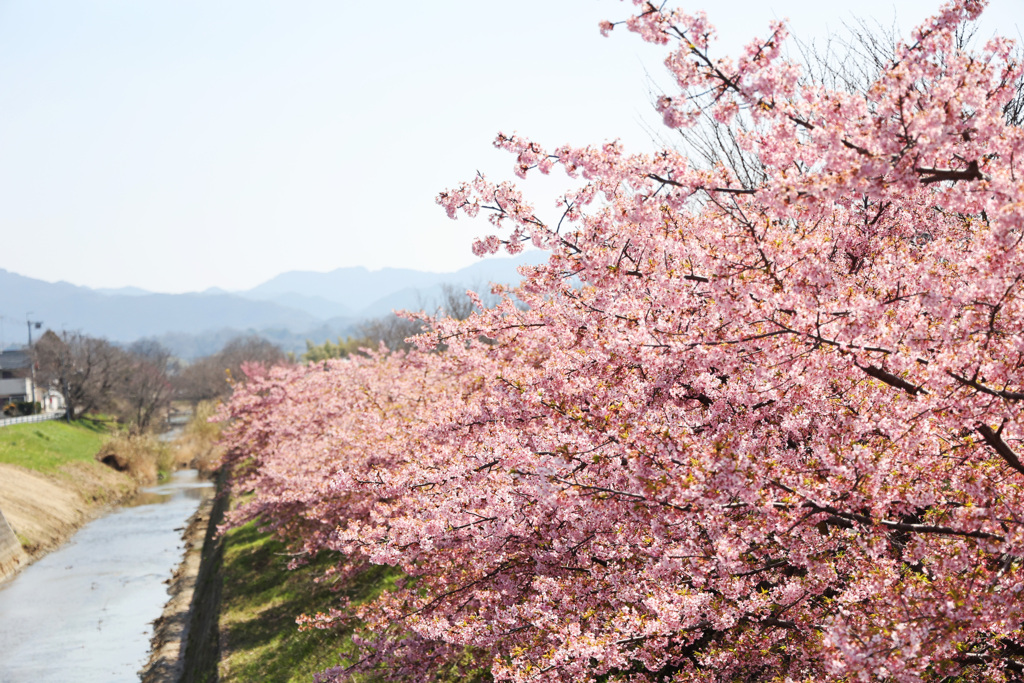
[290,307]
[361,292]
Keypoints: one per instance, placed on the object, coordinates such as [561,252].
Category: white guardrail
[41,417]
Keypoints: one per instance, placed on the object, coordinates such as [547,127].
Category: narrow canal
[85,612]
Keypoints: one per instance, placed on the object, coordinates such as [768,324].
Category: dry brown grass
[148,459]
[143,456]
[197,446]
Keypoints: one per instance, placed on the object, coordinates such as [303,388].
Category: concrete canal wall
[12,556]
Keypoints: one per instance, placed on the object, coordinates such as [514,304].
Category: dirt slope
[44,510]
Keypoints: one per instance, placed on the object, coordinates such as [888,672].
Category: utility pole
[68,409]
[31,358]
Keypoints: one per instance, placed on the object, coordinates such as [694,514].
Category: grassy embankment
[50,482]
[66,454]
[261,598]
[49,447]
[260,601]
[46,446]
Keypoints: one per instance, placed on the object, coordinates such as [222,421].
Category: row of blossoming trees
[748,426]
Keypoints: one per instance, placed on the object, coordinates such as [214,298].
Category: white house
[51,400]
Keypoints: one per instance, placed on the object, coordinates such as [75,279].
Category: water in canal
[85,612]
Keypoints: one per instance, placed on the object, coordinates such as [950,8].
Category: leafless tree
[394,330]
[210,378]
[85,370]
[146,389]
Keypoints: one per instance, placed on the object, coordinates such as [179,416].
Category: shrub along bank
[144,457]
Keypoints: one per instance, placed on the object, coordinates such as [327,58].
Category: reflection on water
[85,611]
[171,434]
[185,484]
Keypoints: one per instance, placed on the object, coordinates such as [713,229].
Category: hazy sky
[176,145]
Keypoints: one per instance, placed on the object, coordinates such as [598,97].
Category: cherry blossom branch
[727,190]
[974,384]
[867,520]
[937,175]
[891,379]
[994,439]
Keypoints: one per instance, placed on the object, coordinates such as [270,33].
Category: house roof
[15,360]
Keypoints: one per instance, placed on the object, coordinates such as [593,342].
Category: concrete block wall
[11,553]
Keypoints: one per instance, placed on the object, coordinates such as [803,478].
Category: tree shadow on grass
[262,599]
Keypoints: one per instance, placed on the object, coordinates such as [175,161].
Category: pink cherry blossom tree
[749,426]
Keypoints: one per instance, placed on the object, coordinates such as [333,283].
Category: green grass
[260,601]
[45,446]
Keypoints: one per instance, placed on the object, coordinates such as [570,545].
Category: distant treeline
[137,383]
[393,330]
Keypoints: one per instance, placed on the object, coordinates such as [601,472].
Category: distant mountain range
[288,309]
[361,293]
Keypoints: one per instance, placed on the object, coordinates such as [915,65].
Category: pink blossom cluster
[759,430]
